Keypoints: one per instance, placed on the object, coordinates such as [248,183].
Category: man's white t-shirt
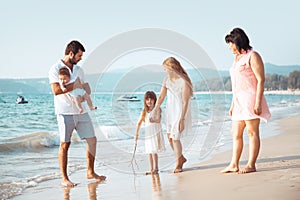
[62,102]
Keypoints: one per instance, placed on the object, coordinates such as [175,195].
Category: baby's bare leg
[78,103]
[89,101]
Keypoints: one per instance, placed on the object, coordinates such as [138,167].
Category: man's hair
[74,46]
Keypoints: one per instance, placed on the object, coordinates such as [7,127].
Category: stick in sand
[133,158]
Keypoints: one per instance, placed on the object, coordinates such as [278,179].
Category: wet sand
[277,177]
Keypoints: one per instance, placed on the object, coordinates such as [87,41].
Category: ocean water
[29,138]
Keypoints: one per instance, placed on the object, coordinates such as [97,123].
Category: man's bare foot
[247,169]
[229,169]
[67,183]
[95,176]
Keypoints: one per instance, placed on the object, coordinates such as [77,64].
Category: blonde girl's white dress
[174,108]
[154,139]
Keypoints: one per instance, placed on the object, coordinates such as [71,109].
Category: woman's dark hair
[74,46]
[238,37]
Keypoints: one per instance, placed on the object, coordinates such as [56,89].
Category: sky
[34,33]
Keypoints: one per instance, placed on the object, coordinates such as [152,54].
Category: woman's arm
[186,95]
[257,66]
[231,107]
[157,118]
[159,101]
[162,95]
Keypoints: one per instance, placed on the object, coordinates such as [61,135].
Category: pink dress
[244,85]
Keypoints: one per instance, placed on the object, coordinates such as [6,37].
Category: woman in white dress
[154,141]
[178,88]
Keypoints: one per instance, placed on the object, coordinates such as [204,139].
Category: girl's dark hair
[74,46]
[151,95]
[238,37]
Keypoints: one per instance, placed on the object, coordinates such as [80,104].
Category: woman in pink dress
[248,105]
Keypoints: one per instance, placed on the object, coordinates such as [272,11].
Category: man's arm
[56,89]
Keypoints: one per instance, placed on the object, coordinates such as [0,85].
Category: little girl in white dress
[154,140]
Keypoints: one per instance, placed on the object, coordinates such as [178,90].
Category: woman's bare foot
[247,169]
[67,183]
[181,161]
[177,170]
[95,176]
[230,169]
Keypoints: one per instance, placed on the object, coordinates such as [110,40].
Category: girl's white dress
[174,109]
[154,139]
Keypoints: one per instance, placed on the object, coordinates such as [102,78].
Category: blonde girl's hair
[151,95]
[176,67]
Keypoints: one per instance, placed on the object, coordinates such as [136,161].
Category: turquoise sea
[29,139]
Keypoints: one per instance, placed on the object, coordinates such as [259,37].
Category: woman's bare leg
[180,159]
[237,139]
[252,127]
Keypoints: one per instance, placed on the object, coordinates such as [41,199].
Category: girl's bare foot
[95,176]
[148,172]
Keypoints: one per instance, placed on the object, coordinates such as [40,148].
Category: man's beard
[73,61]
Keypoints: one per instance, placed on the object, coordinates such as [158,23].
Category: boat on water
[128,98]
[21,100]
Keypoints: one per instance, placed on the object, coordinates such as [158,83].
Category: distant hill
[280,69]
[139,79]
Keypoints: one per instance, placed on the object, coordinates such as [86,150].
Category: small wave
[31,142]
[9,190]
[115,132]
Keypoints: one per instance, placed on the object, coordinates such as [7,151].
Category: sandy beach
[277,177]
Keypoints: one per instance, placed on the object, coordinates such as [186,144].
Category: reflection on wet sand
[156,187]
[92,189]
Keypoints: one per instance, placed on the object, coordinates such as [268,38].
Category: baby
[76,94]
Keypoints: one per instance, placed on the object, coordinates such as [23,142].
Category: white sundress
[154,139]
[174,109]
